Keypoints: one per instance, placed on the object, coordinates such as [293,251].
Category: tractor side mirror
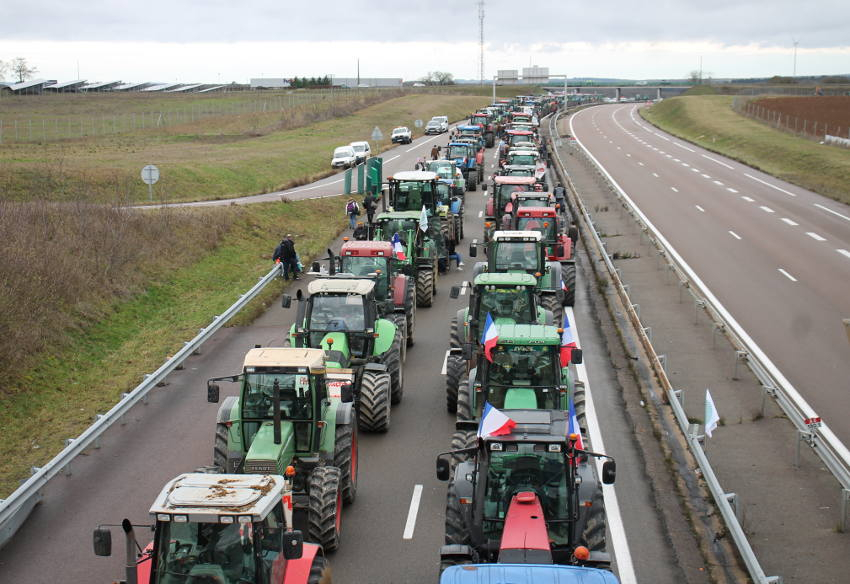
[454,292]
[576,357]
[102,541]
[293,544]
[212,393]
[467,351]
[299,295]
[286,301]
[473,251]
[609,472]
[316,267]
[443,469]
[346,393]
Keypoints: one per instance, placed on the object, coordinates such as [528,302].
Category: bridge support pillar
[619,93]
[658,95]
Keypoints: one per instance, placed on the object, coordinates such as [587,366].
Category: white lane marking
[641,163]
[731,190]
[843,252]
[311,188]
[618,148]
[676,160]
[790,222]
[619,543]
[748,199]
[828,210]
[629,155]
[694,170]
[662,137]
[735,235]
[717,182]
[700,209]
[766,209]
[391,159]
[422,143]
[685,164]
[683,146]
[787,275]
[669,155]
[674,189]
[463,289]
[705,175]
[655,174]
[815,236]
[412,512]
[789,193]
[717,161]
[445,362]
[480,214]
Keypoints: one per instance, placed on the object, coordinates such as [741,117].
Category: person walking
[361,233]
[435,152]
[352,209]
[285,254]
[369,204]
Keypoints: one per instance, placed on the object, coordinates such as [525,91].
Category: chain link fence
[811,129]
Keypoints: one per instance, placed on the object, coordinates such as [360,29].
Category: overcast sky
[225,40]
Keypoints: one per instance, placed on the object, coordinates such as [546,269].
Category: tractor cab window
[443,193]
[400,226]
[516,255]
[412,195]
[457,152]
[543,225]
[519,172]
[505,191]
[524,377]
[364,266]
[205,552]
[338,312]
[296,401]
[512,302]
[527,467]
[269,537]
[522,159]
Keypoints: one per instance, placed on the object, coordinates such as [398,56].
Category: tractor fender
[459,553]
[345,414]
[385,335]
[568,246]
[478,268]
[399,290]
[554,276]
[292,342]
[545,316]
[225,410]
[298,571]
[377,367]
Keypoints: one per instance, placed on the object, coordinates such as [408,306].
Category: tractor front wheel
[454,371]
[220,447]
[345,459]
[424,288]
[324,513]
[460,440]
[569,274]
[374,402]
[392,359]
[456,532]
[319,571]
[410,312]
[464,405]
[550,302]
[593,534]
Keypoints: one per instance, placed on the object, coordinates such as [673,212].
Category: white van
[361,150]
[344,157]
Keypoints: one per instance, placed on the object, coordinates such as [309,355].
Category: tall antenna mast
[481,40]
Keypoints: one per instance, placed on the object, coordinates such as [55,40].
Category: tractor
[471,133]
[529,496]
[221,528]
[418,190]
[487,124]
[448,170]
[500,195]
[465,155]
[523,251]
[520,139]
[292,415]
[341,317]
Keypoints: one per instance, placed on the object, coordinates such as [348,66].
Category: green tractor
[293,418]
[510,298]
[421,190]
[525,252]
[341,316]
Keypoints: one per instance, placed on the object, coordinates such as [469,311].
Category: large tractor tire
[319,571]
[220,446]
[472,180]
[325,511]
[550,302]
[489,139]
[568,273]
[454,334]
[410,311]
[392,359]
[456,531]
[454,372]
[424,288]
[593,534]
[346,460]
[374,402]
[464,405]
[400,321]
[460,440]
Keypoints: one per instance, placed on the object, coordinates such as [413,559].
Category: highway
[392,533]
[776,255]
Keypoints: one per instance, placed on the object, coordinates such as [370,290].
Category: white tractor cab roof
[517,236]
[524,145]
[211,498]
[523,152]
[285,357]
[415,175]
[340,286]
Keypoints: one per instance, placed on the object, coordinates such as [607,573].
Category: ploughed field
[832,110]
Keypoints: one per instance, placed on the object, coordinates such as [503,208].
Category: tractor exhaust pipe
[130,549]
[332,264]
[276,399]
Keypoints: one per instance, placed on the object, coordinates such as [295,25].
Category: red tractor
[488,129]
[500,194]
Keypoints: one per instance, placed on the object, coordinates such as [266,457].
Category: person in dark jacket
[369,204]
[361,233]
[285,254]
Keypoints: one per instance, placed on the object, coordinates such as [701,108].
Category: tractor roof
[536,426]
[520,132]
[340,286]
[536,212]
[550,574]
[456,143]
[518,235]
[504,279]
[400,215]
[469,128]
[523,152]
[206,497]
[528,334]
[414,175]
[515,180]
[285,357]
[366,248]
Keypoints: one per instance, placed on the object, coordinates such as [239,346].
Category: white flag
[711,416]
[423,220]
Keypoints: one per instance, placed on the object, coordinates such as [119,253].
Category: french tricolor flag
[568,343]
[398,248]
[489,338]
[573,426]
[494,422]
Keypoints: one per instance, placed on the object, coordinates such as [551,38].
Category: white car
[444,122]
[344,157]
[401,135]
[361,150]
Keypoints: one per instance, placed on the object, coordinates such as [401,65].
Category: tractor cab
[472,133]
[412,190]
[522,157]
[448,170]
[502,189]
[514,138]
[544,220]
[514,251]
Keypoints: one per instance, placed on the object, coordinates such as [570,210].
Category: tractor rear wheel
[460,440]
[410,311]
[569,274]
[345,459]
[400,321]
[472,180]
[593,534]
[550,302]
[374,402]
[454,371]
[319,570]
[456,532]
[220,447]
[324,513]
[464,406]
[454,337]
[392,359]
[424,288]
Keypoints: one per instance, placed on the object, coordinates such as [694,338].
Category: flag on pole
[489,337]
[574,427]
[494,422]
[423,220]
[398,248]
[711,415]
[568,343]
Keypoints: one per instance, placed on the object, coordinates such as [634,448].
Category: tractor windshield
[337,312]
[522,159]
[519,171]
[527,467]
[412,195]
[457,152]
[402,226]
[544,225]
[514,303]
[366,265]
[443,193]
[205,552]
[295,396]
[516,139]
[516,255]
[524,377]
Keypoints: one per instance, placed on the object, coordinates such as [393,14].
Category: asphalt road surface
[393,532]
[775,255]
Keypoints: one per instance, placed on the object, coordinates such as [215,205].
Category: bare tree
[695,77]
[22,69]
[443,78]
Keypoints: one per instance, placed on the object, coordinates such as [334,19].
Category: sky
[222,40]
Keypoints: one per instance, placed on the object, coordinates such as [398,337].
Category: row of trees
[438,78]
[19,68]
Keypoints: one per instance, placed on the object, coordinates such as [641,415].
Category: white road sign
[377,134]
[150,174]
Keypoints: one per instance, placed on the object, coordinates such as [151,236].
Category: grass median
[709,121]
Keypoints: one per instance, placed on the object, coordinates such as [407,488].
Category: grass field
[709,121]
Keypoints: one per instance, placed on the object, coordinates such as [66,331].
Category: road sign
[418,123]
[377,134]
[150,174]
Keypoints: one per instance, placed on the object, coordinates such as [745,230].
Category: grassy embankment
[87,288]
[211,158]
[708,120]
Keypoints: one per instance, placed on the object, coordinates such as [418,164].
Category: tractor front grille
[260,467]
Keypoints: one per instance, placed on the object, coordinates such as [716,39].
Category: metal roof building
[31,87]
[132,86]
[100,86]
[67,86]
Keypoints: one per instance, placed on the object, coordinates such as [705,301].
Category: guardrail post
[97,440]
[663,360]
[766,390]
[801,437]
[842,521]
[636,308]
[734,503]
[680,396]
[647,330]
[739,356]
[718,326]
[67,469]
[698,303]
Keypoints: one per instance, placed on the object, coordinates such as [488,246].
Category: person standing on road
[361,233]
[285,254]
[369,205]
[435,152]
[352,209]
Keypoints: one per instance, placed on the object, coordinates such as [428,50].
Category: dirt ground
[833,110]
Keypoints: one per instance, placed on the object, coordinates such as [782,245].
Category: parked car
[361,150]
[443,122]
[401,135]
[344,157]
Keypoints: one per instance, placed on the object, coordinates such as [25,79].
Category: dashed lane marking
[787,275]
[735,235]
[674,189]
[789,193]
[790,222]
[815,236]
[766,209]
[700,209]
[721,163]
[412,512]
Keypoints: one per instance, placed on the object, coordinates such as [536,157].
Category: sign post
[150,175]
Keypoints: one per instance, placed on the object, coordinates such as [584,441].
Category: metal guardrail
[722,499]
[15,509]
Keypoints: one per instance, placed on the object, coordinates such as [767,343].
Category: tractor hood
[266,457]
